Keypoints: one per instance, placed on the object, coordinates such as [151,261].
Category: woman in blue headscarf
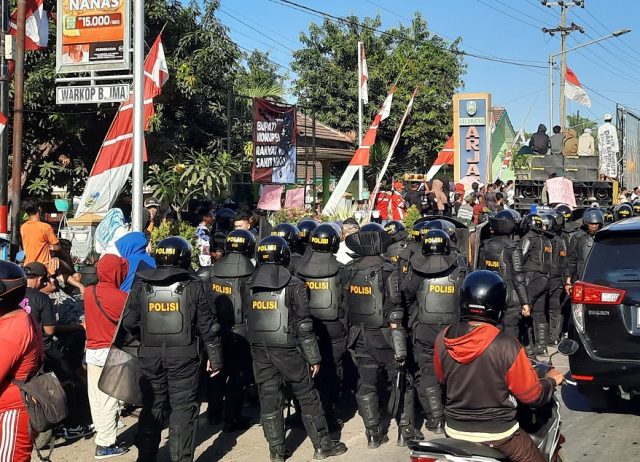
[132,246]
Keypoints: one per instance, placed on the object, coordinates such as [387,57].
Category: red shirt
[382,204]
[397,206]
[22,353]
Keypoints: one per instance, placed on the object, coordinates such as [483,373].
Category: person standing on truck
[539,142]
[556,141]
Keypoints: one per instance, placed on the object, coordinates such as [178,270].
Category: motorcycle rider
[485,369]
[323,276]
[169,309]
[531,265]
[278,323]
[227,283]
[399,235]
[431,290]
[305,228]
[556,295]
[377,338]
[593,221]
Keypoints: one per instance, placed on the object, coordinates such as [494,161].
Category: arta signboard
[471,117]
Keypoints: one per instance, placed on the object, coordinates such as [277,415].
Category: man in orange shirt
[38,238]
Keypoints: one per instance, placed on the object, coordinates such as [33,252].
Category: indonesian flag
[573,89]
[361,157]
[364,75]
[445,157]
[3,122]
[36,26]
[113,165]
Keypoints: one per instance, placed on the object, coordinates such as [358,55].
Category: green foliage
[327,76]
[173,228]
[341,212]
[579,123]
[288,216]
[412,215]
[377,157]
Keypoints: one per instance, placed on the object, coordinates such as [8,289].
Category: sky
[506,29]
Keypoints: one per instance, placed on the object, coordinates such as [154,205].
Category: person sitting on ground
[556,141]
[38,238]
[539,142]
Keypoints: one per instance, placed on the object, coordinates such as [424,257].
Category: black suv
[606,316]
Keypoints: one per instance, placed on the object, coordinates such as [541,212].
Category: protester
[510,193]
[383,200]
[22,356]
[539,141]
[203,236]
[478,209]
[586,145]
[490,197]
[556,141]
[397,201]
[132,246]
[151,217]
[110,229]
[440,197]
[349,226]
[570,145]
[458,200]
[104,303]
[38,238]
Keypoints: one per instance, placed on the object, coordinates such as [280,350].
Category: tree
[579,123]
[327,68]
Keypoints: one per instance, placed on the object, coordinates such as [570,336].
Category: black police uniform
[581,244]
[431,290]
[278,323]
[168,307]
[556,295]
[399,236]
[324,278]
[373,301]
[226,280]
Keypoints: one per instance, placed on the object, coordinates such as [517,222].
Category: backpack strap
[101,308]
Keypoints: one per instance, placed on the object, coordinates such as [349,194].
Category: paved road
[591,436]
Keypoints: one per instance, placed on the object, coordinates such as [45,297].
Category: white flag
[573,89]
[364,75]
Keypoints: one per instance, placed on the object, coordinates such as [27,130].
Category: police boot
[273,428]
[555,328]
[406,429]
[324,446]
[542,337]
[370,413]
[529,345]
[435,413]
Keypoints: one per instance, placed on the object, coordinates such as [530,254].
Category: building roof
[323,132]
[496,114]
[331,144]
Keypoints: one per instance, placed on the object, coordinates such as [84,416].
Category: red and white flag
[113,164]
[364,75]
[36,26]
[361,157]
[3,122]
[573,89]
[445,157]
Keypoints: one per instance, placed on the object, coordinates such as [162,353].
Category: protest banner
[294,198]
[271,197]
[560,191]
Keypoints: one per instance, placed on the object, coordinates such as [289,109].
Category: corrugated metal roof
[323,132]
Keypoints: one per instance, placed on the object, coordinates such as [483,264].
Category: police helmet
[13,285]
[623,211]
[289,233]
[224,219]
[531,221]
[444,225]
[418,231]
[483,297]
[240,241]
[503,224]
[559,219]
[549,222]
[394,227]
[436,242]
[305,228]
[273,250]
[325,239]
[565,210]
[173,251]
[372,227]
[593,216]
[609,217]
[636,207]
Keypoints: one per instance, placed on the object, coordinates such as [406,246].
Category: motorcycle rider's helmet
[240,241]
[13,285]
[173,251]
[549,223]
[565,210]
[305,228]
[483,297]
[325,239]
[503,224]
[623,211]
[273,250]
[531,222]
[436,242]
[593,216]
[289,233]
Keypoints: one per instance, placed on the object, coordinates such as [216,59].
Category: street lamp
[617,33]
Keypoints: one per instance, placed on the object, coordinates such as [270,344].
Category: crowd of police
[290,318]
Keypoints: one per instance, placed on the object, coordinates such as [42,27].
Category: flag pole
[361,169]
[138,115]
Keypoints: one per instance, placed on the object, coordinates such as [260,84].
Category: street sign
[91,94]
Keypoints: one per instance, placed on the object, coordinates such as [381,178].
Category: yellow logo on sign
[220,289]
[442,289]
[361,290]
[492,263]
[164,306]
[264,305]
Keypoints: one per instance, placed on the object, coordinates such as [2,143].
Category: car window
[614,261]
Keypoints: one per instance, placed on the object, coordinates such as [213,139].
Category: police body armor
[537,260]
[227,280]
[365,297]
[439,300]
[559,257]
[497,258]
[583,247]
[324,297]
[268,318]
[166,316]
[393,251]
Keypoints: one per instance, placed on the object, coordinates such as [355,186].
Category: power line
[521,13]
[544,9]
[258,31]
[509,15]
[607,29]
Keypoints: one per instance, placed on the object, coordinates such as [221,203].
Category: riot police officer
[531,265]
[495,255]
[623,211]
[377,338]
[291,234]
[305,228]
[414,245]
[450,229]
[278,323]
[431,290]
[169,309]
[556,295]
[593,221]
[399,235]
[323,276]
[636,208]
[227,282]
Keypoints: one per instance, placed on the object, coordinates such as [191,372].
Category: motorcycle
[542,424]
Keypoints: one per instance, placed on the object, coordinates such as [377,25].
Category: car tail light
[578,316]
[592,294]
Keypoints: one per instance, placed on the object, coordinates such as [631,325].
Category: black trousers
[332,340]
[556,299]
[226,391]
[424,337]
[537,289]
[172,381]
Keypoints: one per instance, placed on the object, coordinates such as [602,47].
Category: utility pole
[564,31]
[4,109]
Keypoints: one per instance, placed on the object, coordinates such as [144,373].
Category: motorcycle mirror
[568,347]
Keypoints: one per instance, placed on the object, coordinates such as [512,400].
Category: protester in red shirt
[397,201]
[383,198]
[22,354]
[103,304]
